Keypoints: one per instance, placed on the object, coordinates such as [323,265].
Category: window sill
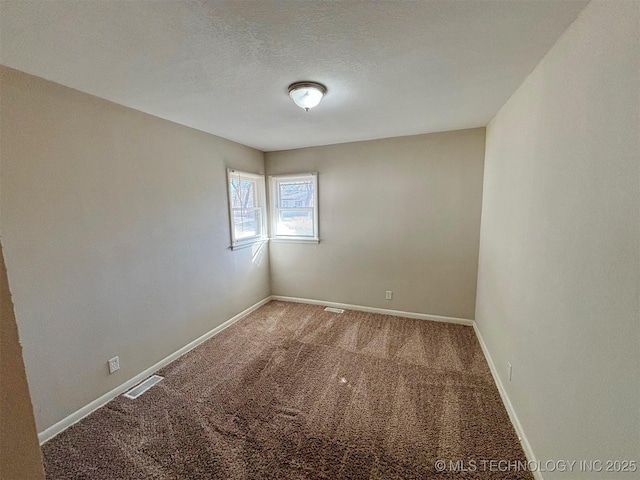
[240,246]
[296,240]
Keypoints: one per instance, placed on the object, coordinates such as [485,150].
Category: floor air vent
[138,390]
[334,310]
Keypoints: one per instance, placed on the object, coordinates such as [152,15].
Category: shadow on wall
[19,451]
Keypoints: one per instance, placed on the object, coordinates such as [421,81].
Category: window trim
[274,180]
[261,205]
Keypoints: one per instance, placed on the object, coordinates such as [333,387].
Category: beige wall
[116,237]
[19,451]
[559,273]
[400,214]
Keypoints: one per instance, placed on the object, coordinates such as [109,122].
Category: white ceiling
[392,68]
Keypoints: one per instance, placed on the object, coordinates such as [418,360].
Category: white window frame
[260,204]
[275,209]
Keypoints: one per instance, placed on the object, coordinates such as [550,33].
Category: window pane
[296,193]
[246,223]
[242,193]
[295,223]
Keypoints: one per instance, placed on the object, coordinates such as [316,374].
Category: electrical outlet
[510,370]
[114,364]
[389,295]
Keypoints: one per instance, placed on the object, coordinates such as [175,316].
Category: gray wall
[400,214]
[559,273]
[116,238]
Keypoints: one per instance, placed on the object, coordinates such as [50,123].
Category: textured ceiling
[391,68]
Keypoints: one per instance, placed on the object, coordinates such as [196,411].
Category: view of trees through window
[296,200]
[294,207]
[247,219]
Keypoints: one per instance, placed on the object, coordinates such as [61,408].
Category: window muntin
[247,212]
[294,201]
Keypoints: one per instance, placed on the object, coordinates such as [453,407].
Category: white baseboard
[78,415]
[360,308]
[526,446]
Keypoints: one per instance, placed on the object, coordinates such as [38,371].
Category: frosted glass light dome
[307,94]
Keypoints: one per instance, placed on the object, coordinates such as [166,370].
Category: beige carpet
[293,392]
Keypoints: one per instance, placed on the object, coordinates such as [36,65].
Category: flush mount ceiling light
[307,94]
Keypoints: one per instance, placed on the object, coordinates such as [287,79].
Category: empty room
[298,239]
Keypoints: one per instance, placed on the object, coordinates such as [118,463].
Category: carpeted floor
[293,392]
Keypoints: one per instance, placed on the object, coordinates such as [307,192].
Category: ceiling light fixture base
[307,94]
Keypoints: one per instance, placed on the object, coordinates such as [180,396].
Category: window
[247,212]
[294,207]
